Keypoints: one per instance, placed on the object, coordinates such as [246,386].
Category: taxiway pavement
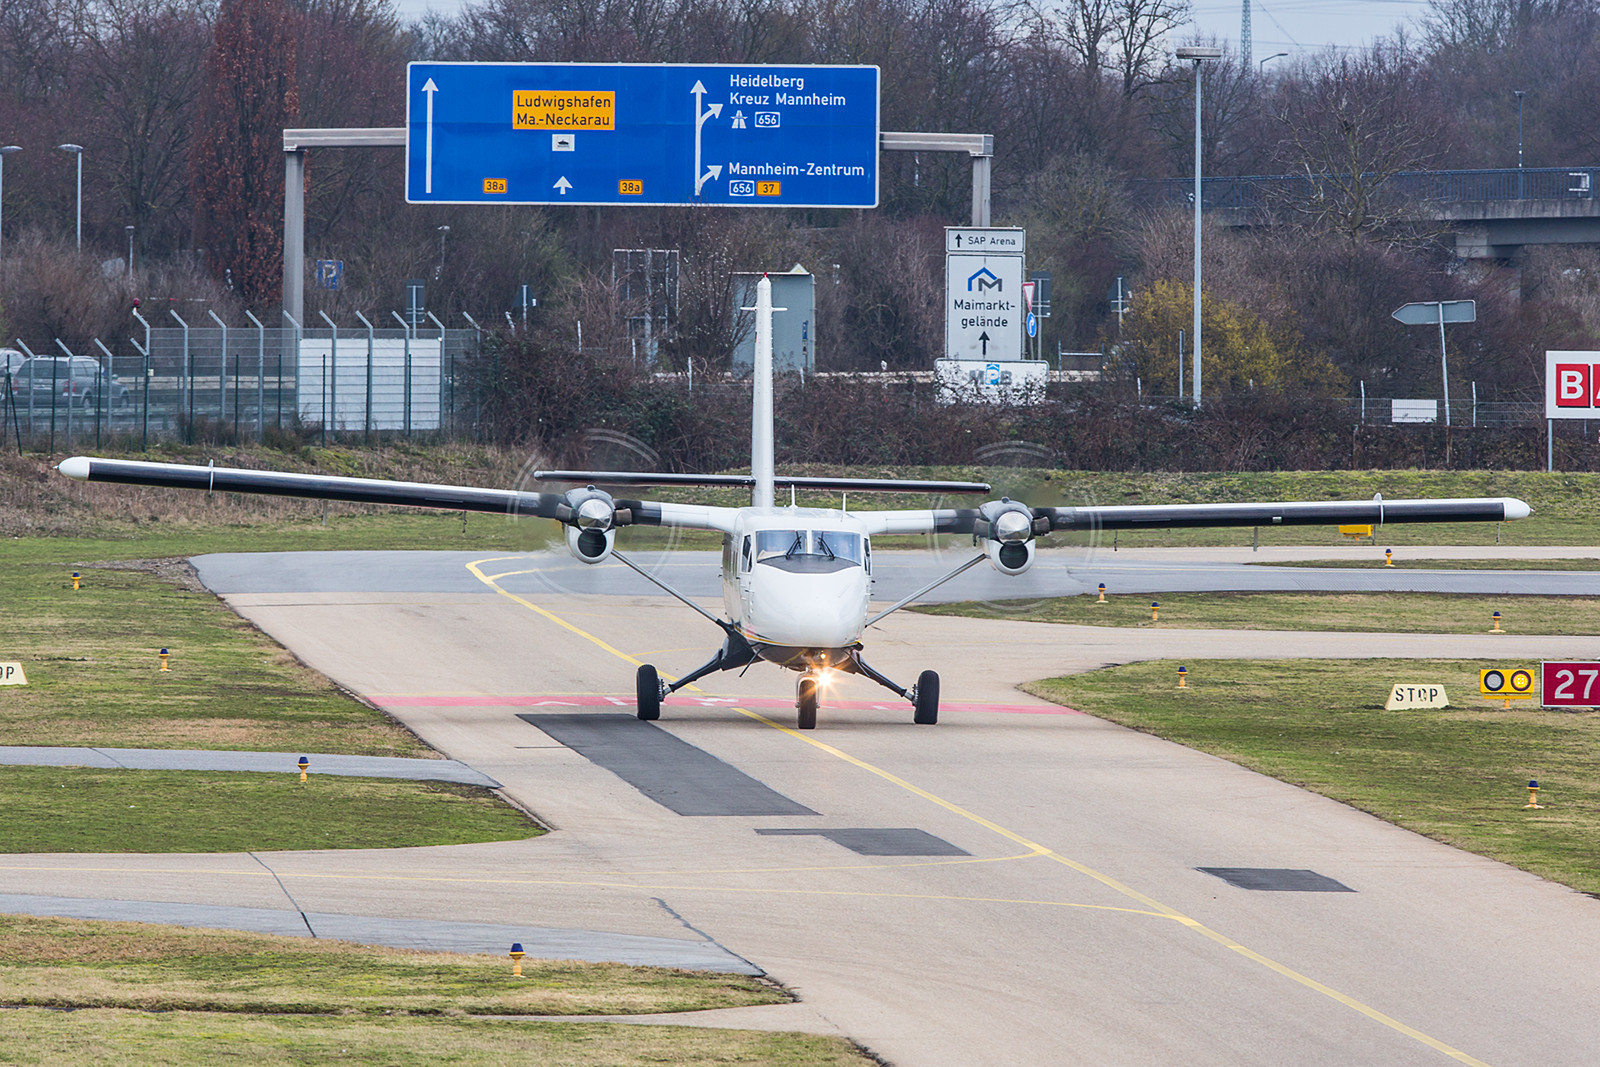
[1076,927]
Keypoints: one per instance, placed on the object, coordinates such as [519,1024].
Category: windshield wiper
[794,547]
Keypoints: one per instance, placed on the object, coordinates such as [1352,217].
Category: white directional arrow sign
[700,119]
[563,185]
[430,89]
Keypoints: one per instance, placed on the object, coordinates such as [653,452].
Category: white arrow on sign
[427,181]
[563,185]
[700,119]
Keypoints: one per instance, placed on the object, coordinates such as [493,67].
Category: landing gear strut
[924,696]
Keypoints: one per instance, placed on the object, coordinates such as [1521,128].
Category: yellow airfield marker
[74,581]
[516,959]
[164,656]
[1533,795]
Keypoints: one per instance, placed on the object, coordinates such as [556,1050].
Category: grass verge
[181,997]
[1442,564]
[1457,774]
[179,1039]
[74,809]
[94,676]
[74,963]
[1404,613]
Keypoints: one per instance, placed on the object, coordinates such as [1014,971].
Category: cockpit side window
[744,556]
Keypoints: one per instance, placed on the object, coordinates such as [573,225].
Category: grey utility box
[794,332]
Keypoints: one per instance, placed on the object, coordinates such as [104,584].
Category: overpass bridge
[1492,213]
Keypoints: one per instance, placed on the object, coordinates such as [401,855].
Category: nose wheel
[805,700]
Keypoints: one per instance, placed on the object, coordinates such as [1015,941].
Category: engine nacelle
[1006,528]
[592,545]
[1009,557]
[591,524]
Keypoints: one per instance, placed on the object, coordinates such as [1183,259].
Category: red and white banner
[1572,385]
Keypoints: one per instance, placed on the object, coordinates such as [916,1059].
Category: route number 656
[1570,684]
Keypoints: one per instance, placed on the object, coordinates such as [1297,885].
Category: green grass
[95,679]
[179,1039]
[1457,774]
[153,994]
[73,963]
[75,809]
[1442,564]
[1410,613]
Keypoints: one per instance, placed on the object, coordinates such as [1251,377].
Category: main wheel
[648,690]
[927,702]
[806,702]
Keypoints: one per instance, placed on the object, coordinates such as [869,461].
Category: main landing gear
[736,652]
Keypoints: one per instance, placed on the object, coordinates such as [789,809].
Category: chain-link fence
[240,383]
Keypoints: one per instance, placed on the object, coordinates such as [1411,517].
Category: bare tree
[1140,39]
[1349,126]
[142,64]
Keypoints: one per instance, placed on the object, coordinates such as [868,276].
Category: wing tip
[76,468]
[1516,509]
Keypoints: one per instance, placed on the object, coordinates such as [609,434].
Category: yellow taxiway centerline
[1156,907]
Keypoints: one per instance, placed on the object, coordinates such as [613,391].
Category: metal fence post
[68,351]
[297,332]
[104,400]
[332,387]
[407,328]
[222,370]
[24,346]
[367,417]
[144,351]
[439,324]
[477,358]
[186,381]
[261,375]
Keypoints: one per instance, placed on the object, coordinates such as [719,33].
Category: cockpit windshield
[836,548]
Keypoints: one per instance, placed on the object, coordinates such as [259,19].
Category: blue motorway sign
[596,133]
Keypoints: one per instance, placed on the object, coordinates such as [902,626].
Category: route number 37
[1570,685]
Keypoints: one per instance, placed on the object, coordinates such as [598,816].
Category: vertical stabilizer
[761,461]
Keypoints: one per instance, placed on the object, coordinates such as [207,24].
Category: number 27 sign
[1571,685]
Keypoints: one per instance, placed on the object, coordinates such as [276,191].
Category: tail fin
[764,494]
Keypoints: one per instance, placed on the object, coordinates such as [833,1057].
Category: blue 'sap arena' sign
[589,133]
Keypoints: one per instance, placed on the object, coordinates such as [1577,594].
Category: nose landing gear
[805,700]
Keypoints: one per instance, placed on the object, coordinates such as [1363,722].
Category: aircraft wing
[559,506]
[1375,512]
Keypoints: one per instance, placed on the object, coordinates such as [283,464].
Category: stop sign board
[1570,685]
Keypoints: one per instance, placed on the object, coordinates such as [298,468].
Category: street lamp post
[77,150]
[1262,65]
[5,150]
[442,231]
[1519,94]
[1197,54]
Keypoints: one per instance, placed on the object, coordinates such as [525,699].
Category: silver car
[81,381]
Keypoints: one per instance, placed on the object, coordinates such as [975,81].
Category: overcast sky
[1292,26]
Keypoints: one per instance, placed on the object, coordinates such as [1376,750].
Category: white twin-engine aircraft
[796,581]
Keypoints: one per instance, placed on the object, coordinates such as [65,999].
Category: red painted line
[595,700]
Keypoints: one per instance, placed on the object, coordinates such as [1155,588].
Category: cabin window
[744,556]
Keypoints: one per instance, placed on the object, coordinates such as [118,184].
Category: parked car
[10,361]
[81,380]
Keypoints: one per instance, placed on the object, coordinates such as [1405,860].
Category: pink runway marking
[595,700]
